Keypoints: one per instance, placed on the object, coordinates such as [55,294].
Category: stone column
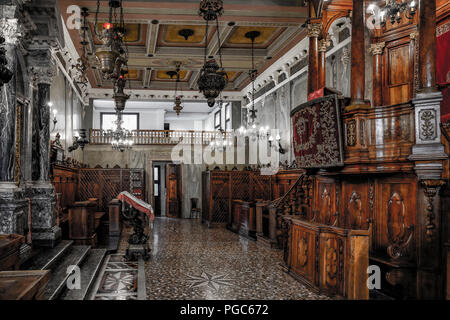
[376,49]
[314,30]
[42,193]
[323,45]
[12,203]
[428,152]
[358,75]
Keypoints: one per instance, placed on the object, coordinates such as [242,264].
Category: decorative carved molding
[314,29]
[351,133]
[414,35]
[427,125]
[323,45]
[377,48]
[399,234]
[430,190]
[43,74]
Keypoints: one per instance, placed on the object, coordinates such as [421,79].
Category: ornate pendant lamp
[394,9]
[213,79]
[177,106]
[120,98]
[121,139]
[110,54]
[253,74]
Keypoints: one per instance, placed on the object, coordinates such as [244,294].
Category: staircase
[59,259]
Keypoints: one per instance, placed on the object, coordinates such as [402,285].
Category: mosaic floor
[190,261]
[118,279]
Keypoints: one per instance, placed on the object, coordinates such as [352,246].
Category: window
[228,117]
[130,121]
[217,120]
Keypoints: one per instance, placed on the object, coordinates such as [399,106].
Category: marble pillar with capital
[41,191]
[12,203]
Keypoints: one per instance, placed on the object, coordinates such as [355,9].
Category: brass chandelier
[111,54]
[394,9]
[213,79]
[177,103]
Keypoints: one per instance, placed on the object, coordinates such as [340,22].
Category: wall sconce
[278,148]
[79,141]
[55,112]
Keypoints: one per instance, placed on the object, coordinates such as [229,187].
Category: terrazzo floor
[190,261]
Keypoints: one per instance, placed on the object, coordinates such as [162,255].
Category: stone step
[46,259]
[59,276]
[90,269]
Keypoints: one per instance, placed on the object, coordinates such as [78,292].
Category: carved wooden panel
[332,252]
[174,196]
[355,205]
[325,200]
[395,217]
[398,71]
[304,243]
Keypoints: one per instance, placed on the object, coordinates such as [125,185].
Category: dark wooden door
[173,186]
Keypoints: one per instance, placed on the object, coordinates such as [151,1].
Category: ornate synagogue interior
[237,150]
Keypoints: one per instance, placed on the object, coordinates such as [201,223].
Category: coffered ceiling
[160,34]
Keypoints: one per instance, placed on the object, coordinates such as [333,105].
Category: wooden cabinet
[82,223]
[10,251]
[242,220]
[329,260]
[23,285]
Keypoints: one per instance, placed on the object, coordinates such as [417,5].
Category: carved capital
[414,35]
[43,74]
[314,29]
[323,45]
[377,48]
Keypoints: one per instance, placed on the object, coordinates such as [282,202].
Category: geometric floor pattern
[118,279]
[192,262]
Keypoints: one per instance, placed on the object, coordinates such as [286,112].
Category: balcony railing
[161,137]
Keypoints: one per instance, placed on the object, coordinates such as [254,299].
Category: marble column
[323,45]
[12,203]
[358,75]
[376,49]
[314,30]
[428,151]
[42,193]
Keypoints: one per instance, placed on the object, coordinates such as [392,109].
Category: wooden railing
[161,137]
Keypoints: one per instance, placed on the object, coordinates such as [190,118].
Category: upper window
[130,121]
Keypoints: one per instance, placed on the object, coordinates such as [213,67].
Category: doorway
[167,194]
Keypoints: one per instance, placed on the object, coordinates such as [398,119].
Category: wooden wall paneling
[304,255]
[398,72]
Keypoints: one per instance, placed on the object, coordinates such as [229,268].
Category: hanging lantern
[110,53]
[212,81]
[178,107]
[120,98]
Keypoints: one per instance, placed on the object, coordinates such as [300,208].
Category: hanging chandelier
[111,54]
[120,98]
[83,61]
[213,79]
[253,74]
[177,103]
[121,139]
[394,9]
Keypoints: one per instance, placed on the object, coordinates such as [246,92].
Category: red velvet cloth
[443,72]
[317,138]
[316,94]
[136,203]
